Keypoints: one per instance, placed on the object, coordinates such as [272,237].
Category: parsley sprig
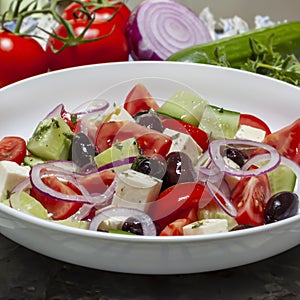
[266,61]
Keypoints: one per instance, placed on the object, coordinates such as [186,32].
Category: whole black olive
[152,166]
[179,169]
[132,225]
[82,150]
[281,206]
[235,155]
[150,120]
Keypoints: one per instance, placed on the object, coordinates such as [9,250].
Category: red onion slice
[217,158]
[56,111]
[148,226]
[157,29]
[222,200]
[91,107]
[53,169]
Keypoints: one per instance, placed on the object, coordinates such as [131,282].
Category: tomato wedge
[13,148]
[287,141]
[174,200]
[139,99]
[249,197]
[150,141]
[60,210]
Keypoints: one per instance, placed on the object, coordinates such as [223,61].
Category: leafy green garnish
[265,60]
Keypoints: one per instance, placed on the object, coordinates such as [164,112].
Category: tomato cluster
[89,33]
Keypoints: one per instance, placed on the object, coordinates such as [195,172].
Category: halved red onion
[148,226]
[222,199]
[217,158]
[65,171]
[157,29]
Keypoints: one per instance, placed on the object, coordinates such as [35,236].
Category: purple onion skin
[134,39]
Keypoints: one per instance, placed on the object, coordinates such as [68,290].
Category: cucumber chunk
[184,106]
[51,139]
[32,160]
[219,123]
[120,150]
[282,179]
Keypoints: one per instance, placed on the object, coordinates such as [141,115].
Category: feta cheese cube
[11,174]
[184,143]
[246,132]
[206,226]
[135,189]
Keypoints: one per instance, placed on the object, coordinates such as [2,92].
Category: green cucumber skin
[286,41]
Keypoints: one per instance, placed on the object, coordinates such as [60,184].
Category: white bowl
[23,104]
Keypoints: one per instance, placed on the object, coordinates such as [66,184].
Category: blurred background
[277,10]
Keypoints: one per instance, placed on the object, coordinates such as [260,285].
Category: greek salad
[183,167]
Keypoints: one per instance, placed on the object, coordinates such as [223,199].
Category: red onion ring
[56,111]
[226,204]
[217,158]
[64,171]
[157,29]
[148,226]
[91,107]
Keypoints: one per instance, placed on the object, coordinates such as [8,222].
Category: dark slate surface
[28,275]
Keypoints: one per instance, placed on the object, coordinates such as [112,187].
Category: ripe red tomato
[176,199]
[12,148]
[20,57]
[117,13]
[109,45]
[286,141]
[199,136]
[255,122]
[139,99]
[150,141]
[249,197]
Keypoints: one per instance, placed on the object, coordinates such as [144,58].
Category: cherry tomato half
[13,148]
[249,197]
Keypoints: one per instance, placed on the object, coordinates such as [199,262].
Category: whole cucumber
[286,40]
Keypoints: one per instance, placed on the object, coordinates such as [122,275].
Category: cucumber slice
[32,161]
[184,106]
[219,123]
[51,139]
[282,179]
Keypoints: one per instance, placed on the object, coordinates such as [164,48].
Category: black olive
[133,225]
[241,227]
[235,155]
[150,120]
[281,206]
[152,166]
[139,113]
[82,150]
[179,169]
